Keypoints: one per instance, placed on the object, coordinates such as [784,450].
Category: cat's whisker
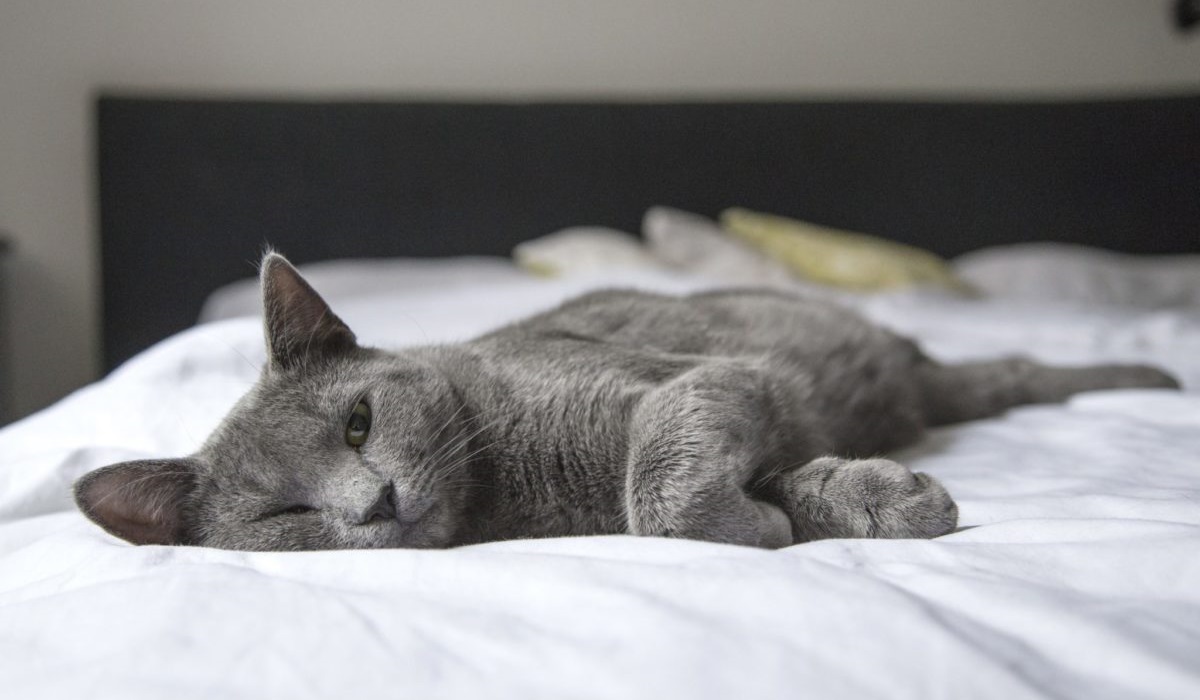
[465,440]
[442,429]
[464,484]
[466,444]
[418,325]
[460,441]
[442,471]
[452,467]
[225,342]
[763,479]
[435,478]
[179,420]
[239,353]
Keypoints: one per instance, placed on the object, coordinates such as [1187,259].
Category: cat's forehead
[315,392]
[335,380]
[275,407]
[274,413]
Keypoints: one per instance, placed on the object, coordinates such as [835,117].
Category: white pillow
[580,250]
[698,245]
[1074,273]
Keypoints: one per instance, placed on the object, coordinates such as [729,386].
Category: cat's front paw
[869,498]
[923,508]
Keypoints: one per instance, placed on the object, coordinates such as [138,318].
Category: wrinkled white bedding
[1077,572]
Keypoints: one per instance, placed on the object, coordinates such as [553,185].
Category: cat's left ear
[299,325]
[143,502]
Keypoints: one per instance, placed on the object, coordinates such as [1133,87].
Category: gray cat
[750,417]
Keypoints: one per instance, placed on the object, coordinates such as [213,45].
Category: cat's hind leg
[694,444]
[955,393]
[833,497]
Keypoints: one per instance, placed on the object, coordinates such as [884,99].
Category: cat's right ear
[142,502]
[299,325]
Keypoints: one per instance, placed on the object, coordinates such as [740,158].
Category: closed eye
[290,510]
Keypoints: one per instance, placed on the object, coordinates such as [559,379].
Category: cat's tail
[955,393]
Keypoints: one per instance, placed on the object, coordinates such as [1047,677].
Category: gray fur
[711,417]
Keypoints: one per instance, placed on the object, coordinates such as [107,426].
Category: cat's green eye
[359,425]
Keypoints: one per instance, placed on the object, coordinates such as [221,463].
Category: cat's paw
[917,505]
[868,498]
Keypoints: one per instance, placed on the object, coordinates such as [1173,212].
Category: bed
[1074,572]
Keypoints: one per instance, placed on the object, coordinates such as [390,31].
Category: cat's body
[558,396]
[729,416]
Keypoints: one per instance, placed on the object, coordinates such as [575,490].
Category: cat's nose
[384,507]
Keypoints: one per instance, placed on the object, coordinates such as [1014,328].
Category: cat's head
[336,446]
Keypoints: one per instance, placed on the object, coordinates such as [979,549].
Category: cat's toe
[920,508]
[933,512]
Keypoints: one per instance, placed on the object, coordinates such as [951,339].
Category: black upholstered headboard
[191,189]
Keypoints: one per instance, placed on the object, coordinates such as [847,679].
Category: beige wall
[55,54]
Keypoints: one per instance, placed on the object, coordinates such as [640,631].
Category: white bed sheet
[1077,573]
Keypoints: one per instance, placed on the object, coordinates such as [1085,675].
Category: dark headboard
[191,189]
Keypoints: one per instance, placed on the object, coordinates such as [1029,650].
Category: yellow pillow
[839,258]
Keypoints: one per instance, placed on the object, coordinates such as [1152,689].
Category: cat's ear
[298,324]
[142,502]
